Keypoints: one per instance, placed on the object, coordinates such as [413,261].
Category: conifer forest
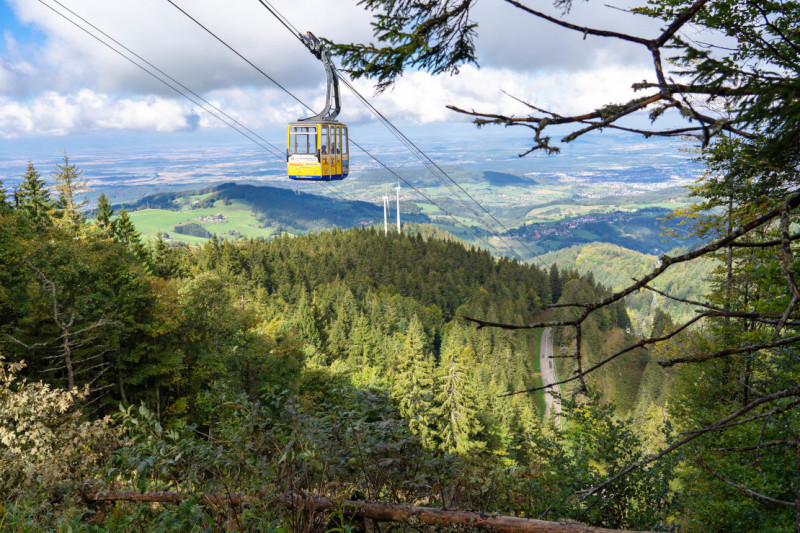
[353,380]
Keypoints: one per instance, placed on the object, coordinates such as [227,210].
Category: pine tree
[556,283]
[414,382]
[104,212]
[306,322]
[34,198]
[69,183]
[3,196]
[457,410]
[124,232]
[363,344]
[165,262]
[123,229]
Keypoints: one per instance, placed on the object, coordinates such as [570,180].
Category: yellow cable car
[317,148]
[317,151]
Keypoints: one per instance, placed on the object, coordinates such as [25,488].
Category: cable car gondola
[317,148]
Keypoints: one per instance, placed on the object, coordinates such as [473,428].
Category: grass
[240,219]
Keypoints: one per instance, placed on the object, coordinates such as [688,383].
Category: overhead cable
[231,48]
[429,163]
[267,146]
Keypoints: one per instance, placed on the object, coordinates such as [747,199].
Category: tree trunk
[375,511]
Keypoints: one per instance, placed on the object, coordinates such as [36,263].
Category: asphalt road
[552,405]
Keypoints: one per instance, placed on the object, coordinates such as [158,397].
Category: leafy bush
[46,444]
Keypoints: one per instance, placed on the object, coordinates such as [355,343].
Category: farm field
[240,221]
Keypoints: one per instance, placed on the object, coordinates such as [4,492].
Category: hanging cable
[237,53]
[442,175]
[307,107]
[432,166]
[277,152]
[268,147]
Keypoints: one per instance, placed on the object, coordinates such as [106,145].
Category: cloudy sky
[57,81]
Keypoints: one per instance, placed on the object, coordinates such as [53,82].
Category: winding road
[548,374]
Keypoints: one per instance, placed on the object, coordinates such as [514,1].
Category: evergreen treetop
[33,197]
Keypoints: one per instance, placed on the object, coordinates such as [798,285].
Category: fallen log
[376,511]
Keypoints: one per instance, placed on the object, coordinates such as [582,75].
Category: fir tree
[414,381]
[33,197]
[69,183]
[555,283]
[104,212]
[123,229]
[457,410]
[306,322]
[165,262]
[124,232]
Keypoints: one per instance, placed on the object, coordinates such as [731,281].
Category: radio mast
[398,207]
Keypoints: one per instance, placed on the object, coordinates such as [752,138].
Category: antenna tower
[398,207]
[385,216]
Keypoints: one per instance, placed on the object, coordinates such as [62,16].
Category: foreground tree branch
[351,508]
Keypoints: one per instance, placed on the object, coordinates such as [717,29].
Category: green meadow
[240,221]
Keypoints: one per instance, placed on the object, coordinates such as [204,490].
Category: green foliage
[103,215]
[757,74]
[600,445]
[192,228]
[616,268]
[334,363]
[70,185]
[431,35]
[33,198]
[47,447]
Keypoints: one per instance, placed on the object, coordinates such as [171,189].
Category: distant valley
[615,191]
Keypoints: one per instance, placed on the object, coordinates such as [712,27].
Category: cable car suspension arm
[321,52]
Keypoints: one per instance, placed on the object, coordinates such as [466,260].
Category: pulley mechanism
[321,52]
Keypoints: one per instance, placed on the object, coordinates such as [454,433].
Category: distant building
[219,217]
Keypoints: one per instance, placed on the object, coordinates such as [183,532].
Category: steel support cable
[278,15]
[405,141]
[379,116]
[351,140]
[177,90]
[442,209]
[278,151]
[411,146]
[431,163]
[229,47]
[408,143]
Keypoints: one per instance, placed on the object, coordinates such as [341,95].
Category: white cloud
[70,59]
[418,97]
[53,114]
[72,84]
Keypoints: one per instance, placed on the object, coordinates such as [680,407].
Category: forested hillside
[336,359]
[617,267]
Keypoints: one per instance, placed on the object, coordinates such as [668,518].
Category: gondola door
[336,151]
[345,152]
[324,152]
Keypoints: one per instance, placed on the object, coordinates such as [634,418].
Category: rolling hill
[232,210]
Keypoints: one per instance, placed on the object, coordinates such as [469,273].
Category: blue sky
[24,34]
